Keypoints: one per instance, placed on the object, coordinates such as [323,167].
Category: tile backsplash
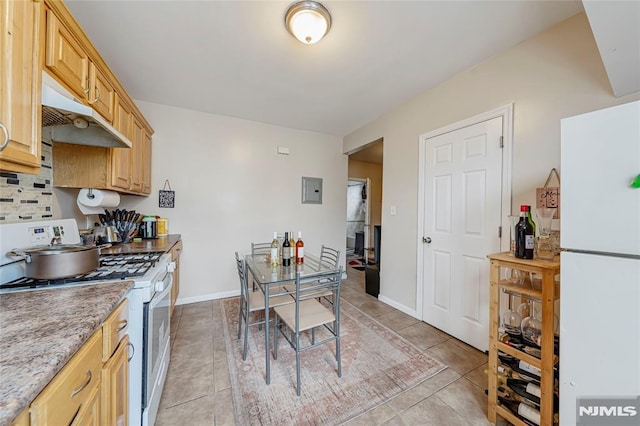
[25,197]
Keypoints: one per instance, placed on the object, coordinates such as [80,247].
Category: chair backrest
[329,255]
[260,248]
[318,284]
[242,274]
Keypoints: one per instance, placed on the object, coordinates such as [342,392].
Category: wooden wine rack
[547,295]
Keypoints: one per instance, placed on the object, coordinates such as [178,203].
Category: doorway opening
[364,205]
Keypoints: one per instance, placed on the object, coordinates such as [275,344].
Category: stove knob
[171,267]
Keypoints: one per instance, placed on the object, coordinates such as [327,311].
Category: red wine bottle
[525,239]
[286,251]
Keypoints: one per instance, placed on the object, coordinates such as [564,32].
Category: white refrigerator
[600,266]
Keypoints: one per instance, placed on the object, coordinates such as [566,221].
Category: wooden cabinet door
[89,413]
[115,386]
[65,57]
[146,164]
[121,157]
[101,93]
[176,250]
[137,139]
[67,396]
[20,81]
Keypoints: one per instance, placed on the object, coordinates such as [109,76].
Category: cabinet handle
[133,351]
[86,80]
[6,136]
[97,97]
[84,385]
[123,325]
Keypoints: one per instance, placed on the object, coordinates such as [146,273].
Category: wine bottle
[274,250]
[525,240]
[299,249]
[530,219]
[286,251]
[527,390]
[521,409]
[525,370]
[292,242]
[505,371]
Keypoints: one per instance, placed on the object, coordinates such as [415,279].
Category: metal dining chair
[252,301]
[307,313]
[328,256]
[260,248]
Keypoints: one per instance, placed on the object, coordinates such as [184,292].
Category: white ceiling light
[308,21]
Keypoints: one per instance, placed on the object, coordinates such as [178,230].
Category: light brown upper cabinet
[137,157]
[121,157]
[101,93]
[146,164]
[65,58]
[68,60]
[20,91]
[74,62]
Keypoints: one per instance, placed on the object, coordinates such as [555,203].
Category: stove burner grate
[112,267]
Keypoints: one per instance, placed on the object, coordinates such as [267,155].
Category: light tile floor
[198,389]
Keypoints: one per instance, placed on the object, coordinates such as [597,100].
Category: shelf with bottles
[541,289]
[520,330]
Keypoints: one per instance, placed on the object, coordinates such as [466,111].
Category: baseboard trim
[407,310]
[207,297]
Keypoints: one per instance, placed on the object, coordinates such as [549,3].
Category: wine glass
[524,309]
[532,326]
[511,319]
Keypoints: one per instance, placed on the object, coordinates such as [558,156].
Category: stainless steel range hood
[68,121]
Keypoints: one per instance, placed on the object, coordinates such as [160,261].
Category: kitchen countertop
[41,330]
[162,244]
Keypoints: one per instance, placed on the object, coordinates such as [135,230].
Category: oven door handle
[158,296]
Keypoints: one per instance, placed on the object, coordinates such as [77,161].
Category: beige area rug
[377,364]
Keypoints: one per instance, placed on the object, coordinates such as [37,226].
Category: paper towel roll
[98,201]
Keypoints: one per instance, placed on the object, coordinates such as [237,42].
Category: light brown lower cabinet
[90,414]
[67,395]
[88,391]
[176,250]
[115,388]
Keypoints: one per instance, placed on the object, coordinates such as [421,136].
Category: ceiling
[235,58]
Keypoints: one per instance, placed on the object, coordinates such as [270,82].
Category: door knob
[426,240]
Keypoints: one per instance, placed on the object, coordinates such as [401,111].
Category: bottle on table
[299,249]
[286,251]
[525,237]
[292,242]
[530,219]
[274,250]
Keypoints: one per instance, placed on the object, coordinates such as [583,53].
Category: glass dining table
[269,278]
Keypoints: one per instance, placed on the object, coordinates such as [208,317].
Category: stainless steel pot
[59,261]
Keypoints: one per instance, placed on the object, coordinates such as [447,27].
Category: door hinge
[499,231]
[501,141]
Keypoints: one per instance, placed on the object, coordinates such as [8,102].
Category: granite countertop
[40,331]
[162,244]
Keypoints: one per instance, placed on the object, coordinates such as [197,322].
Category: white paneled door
[462,214]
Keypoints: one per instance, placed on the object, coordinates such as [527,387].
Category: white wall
[554,75]
[233,188]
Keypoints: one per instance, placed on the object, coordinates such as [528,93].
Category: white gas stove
[149,302]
